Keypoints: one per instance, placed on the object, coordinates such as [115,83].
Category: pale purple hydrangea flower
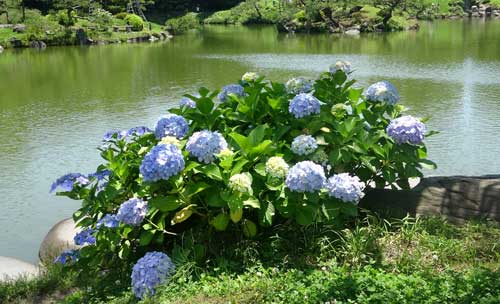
[108,221]
[162,162]
[114,134]
[406,129]
[66,182]
[138,131]
[153,269]
[304,105]
[304,145]
[235,89]
[187,102]
[132,212]
[100,175]
[305,176]
[345,187]
[67,256]
[205,144]
[171,125]
[85,237]
[344,66]
[382,91]
[298,85]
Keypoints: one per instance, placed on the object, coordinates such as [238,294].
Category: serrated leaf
[165,203]
[249,228]
[220,222]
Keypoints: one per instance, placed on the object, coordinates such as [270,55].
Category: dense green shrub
[121,15]
[182,24]
[101,17]
[220,164]
[135,21]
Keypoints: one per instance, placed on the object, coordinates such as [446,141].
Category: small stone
[352,32]
[1,49]
[59,238]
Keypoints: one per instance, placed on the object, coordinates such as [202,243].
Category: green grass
[374,261]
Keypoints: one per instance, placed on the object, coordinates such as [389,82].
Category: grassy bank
[375,261]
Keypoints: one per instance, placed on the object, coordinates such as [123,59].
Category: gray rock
[37,44]
[19,28]
[11,269]
[59,238]
[1,49]
[457,198]
[17,43]
[352,32]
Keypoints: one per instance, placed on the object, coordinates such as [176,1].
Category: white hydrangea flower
[276,166]
[241,182]
[250,76]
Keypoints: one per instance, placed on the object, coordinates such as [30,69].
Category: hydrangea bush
[258,154]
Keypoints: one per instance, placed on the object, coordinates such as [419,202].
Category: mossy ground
[373,261]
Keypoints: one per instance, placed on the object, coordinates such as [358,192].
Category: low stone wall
[457,198]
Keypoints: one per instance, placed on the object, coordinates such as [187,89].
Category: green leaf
[427,164]
[196,188]
[355,94]
[165,203]
[146,237]
[260,168]
[262,148]
[249,228]
[220,222]
[267,213]
[214,199]
[304,215]
[212,171]
[236,215]
[239,165]
[241,140]
[257,135]
[205,105]
[252,202]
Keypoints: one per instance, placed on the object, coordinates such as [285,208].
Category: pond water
[55,105]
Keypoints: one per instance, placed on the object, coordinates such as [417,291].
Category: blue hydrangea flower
[138,131]
[162,162]
[187,102]
[406,129]
[132,212]
[66,182]
[305,176]
[205,144]
[108,221]
[67,256]
[304,145]
[298,85]
[344,66]
[345,187]
[153,269]
[303,105]
[100,175]
[171,125]
[235,89]
[114,134]
[382,91]
[85,237]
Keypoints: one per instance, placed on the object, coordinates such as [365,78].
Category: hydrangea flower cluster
[187,102]
[68,181]
[235,89]
[382,91]
[85,237]
[67,256]
[138,131]
[298,85]
[162,162]
[153,269]
[277,167]
[305,176]
[241,183]
[171,125]
[100,175]
[205,144]
[108,221]
[344,66]
[345,187]
[114,134]
[303,105]
[225,153]
[132,212]
[250,76]
[406,129]
[304,145]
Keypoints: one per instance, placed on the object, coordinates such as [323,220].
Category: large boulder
[19,28]
[37,44]
[11,269]
[457,198]
[59,238]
